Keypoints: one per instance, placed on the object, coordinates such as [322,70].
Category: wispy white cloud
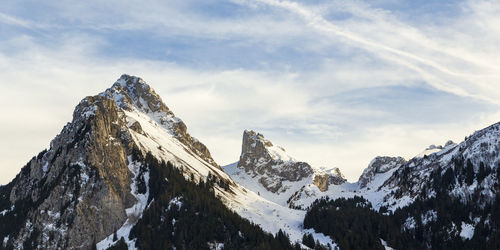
[14,21]
[439,57]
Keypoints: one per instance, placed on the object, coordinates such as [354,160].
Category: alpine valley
[126,174]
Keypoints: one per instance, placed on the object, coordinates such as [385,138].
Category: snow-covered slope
[434,149]
[270,172]
[394,183]
[471,167]
[369,186]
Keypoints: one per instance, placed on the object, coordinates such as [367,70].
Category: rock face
[81,179]
[379,165]
[272,166]
[321,181]
[76,193]
[333,177]
[259,157]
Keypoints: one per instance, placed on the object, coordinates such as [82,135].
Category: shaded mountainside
[81,179]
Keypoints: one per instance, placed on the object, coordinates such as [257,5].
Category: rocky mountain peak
[379,165]
[133,93]
[255,144]
[89,174]
[335,171]
[271,164]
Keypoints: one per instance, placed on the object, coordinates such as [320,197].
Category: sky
[335,83]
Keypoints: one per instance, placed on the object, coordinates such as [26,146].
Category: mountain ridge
[88,175]
[101,167]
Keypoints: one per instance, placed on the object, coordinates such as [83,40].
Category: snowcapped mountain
[269,171]
[259,157]
[94,183]
[470,168]
[88,175]
[444,198]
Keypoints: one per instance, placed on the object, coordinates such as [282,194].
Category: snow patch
[384,243]
[467,231]
[5,240]
[45,167]
[429,216]
[410,223]
[215,245]
[175,201]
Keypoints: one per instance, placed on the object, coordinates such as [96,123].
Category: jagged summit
[255,144]
[133,93]
[130,91]
[276,171]
[259,157]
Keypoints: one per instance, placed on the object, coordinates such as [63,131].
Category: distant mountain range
[125,173]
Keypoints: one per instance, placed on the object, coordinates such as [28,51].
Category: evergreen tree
[308,240]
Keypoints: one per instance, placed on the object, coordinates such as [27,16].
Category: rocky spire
[270,163]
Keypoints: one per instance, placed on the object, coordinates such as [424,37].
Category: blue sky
[334,82]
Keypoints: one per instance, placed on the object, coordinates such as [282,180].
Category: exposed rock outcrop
[321,181]
[332,177]
[81,179]
[273,166]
